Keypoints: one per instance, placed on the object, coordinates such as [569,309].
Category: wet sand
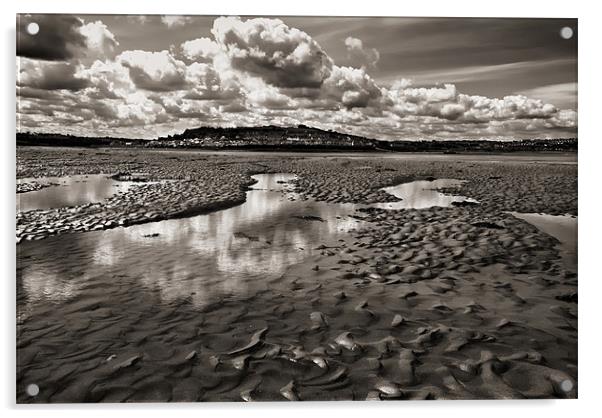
[461,302]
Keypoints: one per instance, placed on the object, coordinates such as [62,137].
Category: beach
[258,276]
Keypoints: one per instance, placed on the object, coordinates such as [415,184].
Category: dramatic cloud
[45,75]
[201,49]
[206,84]
[108,80]
[267,48]
[483,109]
[255,72]
[446,103]
[360,56]
[100,42]
[262,95]
[351,87]
[154,71]
[59,37]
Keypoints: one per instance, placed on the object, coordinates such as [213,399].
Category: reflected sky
[561,227]
[422,194]
[70,191]
[231,253]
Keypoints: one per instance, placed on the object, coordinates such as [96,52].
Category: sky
[380,77]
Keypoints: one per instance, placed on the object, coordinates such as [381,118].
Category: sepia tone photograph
[295,208]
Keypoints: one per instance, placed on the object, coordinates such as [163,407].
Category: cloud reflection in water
[231,253]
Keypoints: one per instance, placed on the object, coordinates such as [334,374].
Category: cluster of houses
[260,137]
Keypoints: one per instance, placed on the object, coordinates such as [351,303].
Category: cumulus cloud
[351,87]
[99,40]
[108,79]
[173,20]
[206,84]
[201,49]
[359,55]
[566,118]
[154,71]
[268,48]
[445,102]
[269,97]
[479,108]
[429,95]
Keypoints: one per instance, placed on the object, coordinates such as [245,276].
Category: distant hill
[269,137]
[305,138]
[297,138]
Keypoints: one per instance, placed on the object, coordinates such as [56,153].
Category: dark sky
[387,77]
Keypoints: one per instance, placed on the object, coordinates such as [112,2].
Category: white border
[467,8]
[590,151]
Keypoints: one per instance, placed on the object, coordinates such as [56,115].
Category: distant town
[299,138]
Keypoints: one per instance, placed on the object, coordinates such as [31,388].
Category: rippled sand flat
[302,289]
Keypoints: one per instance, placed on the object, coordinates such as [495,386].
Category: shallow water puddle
[230,253]
[423,194]
[70,191]
[561,227]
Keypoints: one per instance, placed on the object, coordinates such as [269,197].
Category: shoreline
[273,151]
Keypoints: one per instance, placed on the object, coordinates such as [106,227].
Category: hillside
[275,137]
[298,138]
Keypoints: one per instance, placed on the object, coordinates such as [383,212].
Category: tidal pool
[561,227]
[225,254]
[423,194]
[70,191]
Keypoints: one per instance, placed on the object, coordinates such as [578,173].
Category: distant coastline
[295,139]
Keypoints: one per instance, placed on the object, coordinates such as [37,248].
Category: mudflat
[239,277]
